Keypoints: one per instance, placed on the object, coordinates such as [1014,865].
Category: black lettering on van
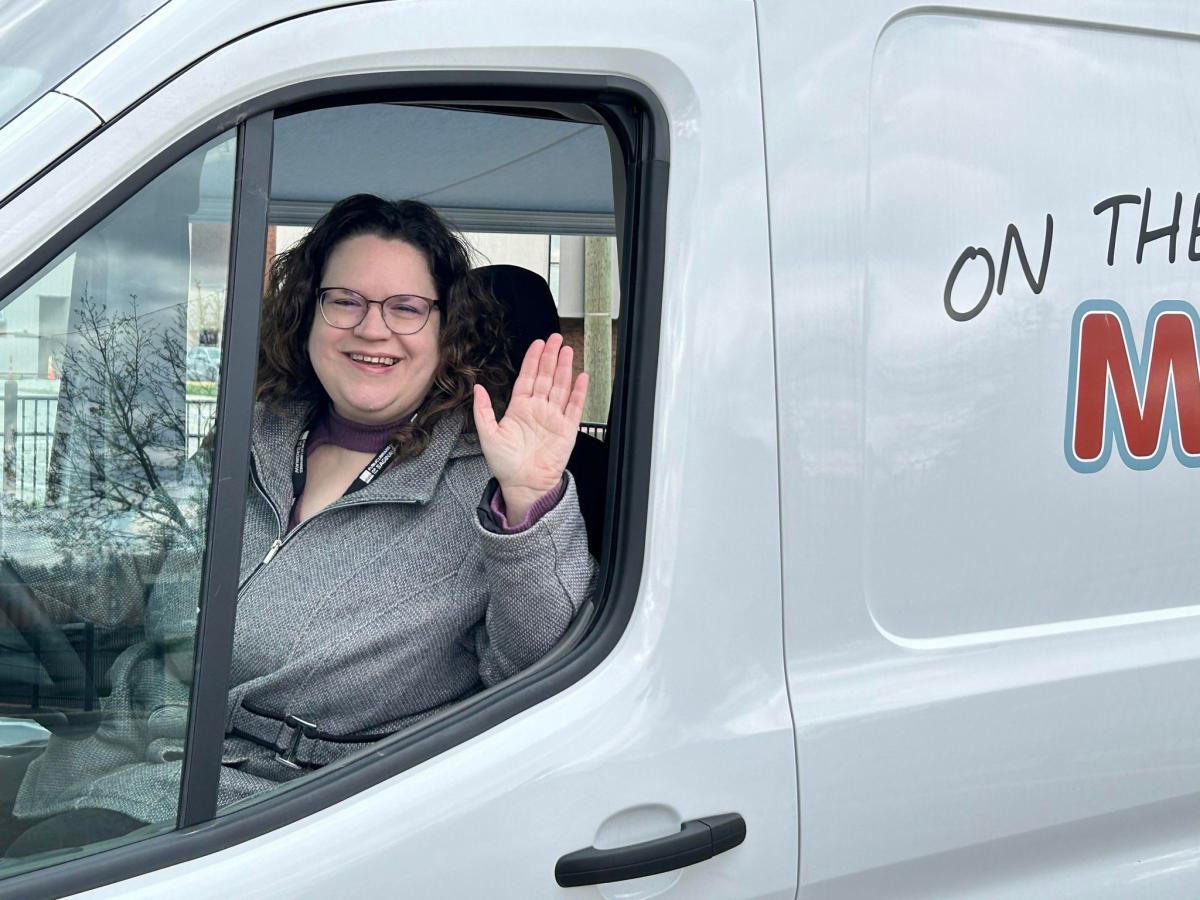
[1012,238]
[1145,235]
[966,256]
[1193,253]
[1114,203]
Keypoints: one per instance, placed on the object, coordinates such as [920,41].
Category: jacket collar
[277,428]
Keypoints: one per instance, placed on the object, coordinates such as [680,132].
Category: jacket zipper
[279,542]
[278,525]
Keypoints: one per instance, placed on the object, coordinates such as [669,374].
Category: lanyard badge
[365,477]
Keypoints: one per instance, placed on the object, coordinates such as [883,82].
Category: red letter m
[1105,357]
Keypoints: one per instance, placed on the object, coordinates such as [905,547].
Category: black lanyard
[365,477]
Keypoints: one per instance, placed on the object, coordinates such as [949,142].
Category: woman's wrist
[519,500]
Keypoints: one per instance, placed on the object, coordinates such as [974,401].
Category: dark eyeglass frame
[321,292]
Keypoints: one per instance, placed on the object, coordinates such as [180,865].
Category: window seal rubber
[637,121]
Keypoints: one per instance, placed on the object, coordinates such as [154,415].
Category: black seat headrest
[529,310]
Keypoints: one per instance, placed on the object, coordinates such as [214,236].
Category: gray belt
[298,742]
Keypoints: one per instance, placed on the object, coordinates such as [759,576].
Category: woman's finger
[545,370]
[574,410]
[485,415]
[523,386]
[561,388]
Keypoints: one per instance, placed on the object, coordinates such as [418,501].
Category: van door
[982,229]
[673,710]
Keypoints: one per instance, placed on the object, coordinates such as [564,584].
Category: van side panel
[986,256]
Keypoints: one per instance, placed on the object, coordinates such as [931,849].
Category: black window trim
[231,460]
[638,123]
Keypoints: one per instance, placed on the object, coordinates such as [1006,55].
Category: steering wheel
[44,638]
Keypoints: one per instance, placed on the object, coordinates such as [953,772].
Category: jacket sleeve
[537,580]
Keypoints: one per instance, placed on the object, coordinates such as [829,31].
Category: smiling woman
[365,250]
[376,368]
[387,421]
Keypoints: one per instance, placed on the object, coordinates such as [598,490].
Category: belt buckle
[301,729]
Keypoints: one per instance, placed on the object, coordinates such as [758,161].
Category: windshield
[44,41]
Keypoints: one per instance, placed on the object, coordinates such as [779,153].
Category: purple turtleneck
[332,428]
[341,432]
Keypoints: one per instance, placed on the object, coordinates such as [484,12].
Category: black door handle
[698,840]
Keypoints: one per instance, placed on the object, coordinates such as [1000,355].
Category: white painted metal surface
[43,41]
[171,40]
[47,129]
[689,716]
[991,655]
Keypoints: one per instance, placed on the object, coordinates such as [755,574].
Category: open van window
[498,176]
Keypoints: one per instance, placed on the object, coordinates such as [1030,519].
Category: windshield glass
[44,41]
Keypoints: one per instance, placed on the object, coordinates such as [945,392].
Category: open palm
[528,448]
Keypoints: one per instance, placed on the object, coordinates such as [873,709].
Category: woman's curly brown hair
[473,346]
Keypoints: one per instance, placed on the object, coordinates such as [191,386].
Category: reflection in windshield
[44,41]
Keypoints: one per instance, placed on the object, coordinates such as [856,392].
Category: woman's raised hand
[528,449]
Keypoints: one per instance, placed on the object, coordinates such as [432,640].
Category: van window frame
[637,124]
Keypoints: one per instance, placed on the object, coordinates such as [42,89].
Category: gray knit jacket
[387,606]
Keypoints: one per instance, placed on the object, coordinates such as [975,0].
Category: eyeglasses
[402,313]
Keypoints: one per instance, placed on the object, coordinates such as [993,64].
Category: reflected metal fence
[27,444]
[201,413]
[27,438]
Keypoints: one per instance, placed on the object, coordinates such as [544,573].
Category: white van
[882,614]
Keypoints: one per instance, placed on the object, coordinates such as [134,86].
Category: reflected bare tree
[118,479]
